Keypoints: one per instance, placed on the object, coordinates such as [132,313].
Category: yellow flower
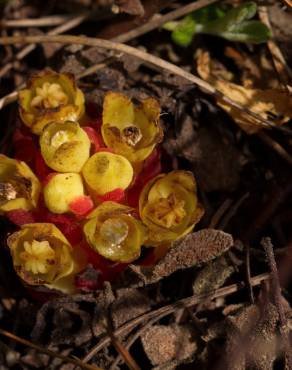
[19,187]
[50,96]
[105,172]
[43,256]
[169,207]
[131,131]
[114,233]
[64,146]
[61,190]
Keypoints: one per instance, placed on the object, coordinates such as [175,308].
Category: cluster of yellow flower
[82,178]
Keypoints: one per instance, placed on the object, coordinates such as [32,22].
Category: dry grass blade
[47,351]
[157,22]
[145,57]
[168,309]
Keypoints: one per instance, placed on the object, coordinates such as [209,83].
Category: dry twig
[49,21]
[71,23]
[47,351]
[145,57]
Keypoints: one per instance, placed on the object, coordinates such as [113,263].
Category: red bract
[94,137]
[48,178]
[107,269]
[25,147]
[93,110]
[81,205]
[82,283]
[41,169]
[151,168]
[20,217]
[116,195]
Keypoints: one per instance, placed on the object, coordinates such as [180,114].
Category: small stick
[49,21]
[71,23]
[268,247]
[168,309]
[219,213]
[145,57]
[47,351]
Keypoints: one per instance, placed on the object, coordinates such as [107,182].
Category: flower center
[38,257]
[48,96]
[7,191]
[60,138]
[169,211]
[132,135]
[114,231]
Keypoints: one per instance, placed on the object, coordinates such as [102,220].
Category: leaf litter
[198,263]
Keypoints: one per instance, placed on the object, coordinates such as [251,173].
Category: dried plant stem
[49,21]
[47,351]
[145,57]
[219,213]
[168,309]
[157,22]
[282,68]
[268,247]
[71,23]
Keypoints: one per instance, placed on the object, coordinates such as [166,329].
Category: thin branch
[49,21]
[71,23]
[47,351]
[145,57]
[219,213]
[157,22]
[168,309]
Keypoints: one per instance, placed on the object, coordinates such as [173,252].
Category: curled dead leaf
[270,103]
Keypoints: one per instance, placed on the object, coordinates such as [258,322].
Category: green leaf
[232,18]
[249,31]
[210,13]
[184,32]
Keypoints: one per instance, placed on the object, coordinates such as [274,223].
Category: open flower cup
[96,194]
[48,97]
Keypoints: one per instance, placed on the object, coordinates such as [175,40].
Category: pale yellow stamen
[169,211]
[114,231]
[38,257]
[50,95]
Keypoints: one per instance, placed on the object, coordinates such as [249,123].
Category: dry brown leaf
[270,103]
